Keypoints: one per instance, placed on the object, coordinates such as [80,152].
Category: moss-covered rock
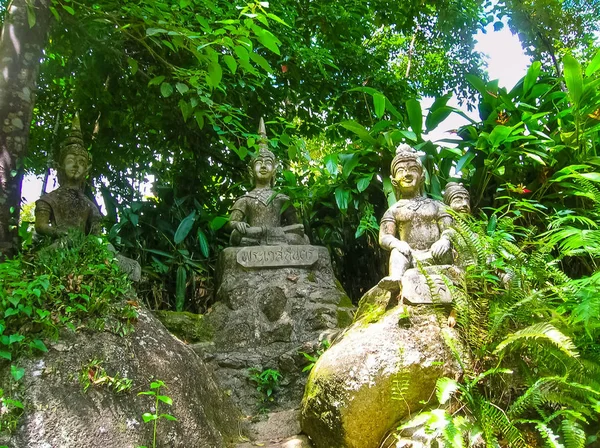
[186,326]
[376,375]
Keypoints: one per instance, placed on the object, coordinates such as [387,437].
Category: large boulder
[265,316]
[381,371]
[60,414]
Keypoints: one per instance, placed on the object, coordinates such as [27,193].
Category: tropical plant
[154,391]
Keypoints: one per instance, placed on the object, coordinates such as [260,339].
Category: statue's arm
[94,221]
[237,219]
[43,213]
[444,243]
[388,229]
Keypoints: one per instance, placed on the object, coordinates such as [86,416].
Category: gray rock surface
[381,370]
[60,415]
[264,318]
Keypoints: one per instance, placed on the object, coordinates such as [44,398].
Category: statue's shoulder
[49,198]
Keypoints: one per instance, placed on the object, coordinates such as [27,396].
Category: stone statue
[263,217]
[68,207]
[457,197]
[415,227]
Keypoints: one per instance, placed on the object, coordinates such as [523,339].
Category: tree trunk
[21,49]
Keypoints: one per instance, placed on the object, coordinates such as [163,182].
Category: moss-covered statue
[67,207]
[415,227]
[263,217]
[457,197]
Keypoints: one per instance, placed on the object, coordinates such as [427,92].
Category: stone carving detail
[415,228]
[263,217]
[277,256]
[68,207]
[457,197]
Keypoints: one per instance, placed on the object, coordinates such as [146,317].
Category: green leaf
[435,117]
[166,89]
[331,164]
[156,81]
[15,338]
[349,162]
[218,222]
[363,183]
[168,417]
[215,74]
[147,417]
[594,65]
[133,65]
[342,198]
[68,9]
[541,330]
[261,62]
[267,38]
[36,343]
[184,227]
[204,248]
[573,78]
[230,63]
[477,83]
[17,372]
[182,88]
[154,31]
[379,104]
[30,15]
[180,288]
[359,130]
[55,13]
[165,399]
[531,76]
[5,355]
[415,116]
[10,312]
[499,134]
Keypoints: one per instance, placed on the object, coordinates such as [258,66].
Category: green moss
[344,318]
[312,277]
[187,326]
[345,302]
[369,313]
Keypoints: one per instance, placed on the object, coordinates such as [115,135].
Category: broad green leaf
[5,355]
[349,162]
[499,134]
[15,338]
[415,116]
[267,38]
[165,399]
[359,130]
[594,65]
[342,198]
[435,117]
[230,63]
[204,248]
[36,343]
[477,83]
[217,223]
[464,161]
[573,78]
[180,288]
[147,417]
[594,177]
[379,104]
[215,73]
[17,372]
[182,88]
[133,65]
[166,89]
[261,62]
[154,31]
[363,183]
[531,76]
[184,227]
[30,15]
[55,13]
[241,53]
[331,164]
[68,9]
[156,81]
[168,417]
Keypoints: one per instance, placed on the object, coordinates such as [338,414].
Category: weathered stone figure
[414,228]
[457,197]
[68,207]
[257,218]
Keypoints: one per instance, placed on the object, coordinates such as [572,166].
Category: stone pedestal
[273,302]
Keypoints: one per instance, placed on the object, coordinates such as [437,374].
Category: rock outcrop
[59,413]
[265,317]
[383,369]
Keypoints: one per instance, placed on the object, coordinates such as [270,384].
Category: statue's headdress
[404,153]
[263,148]
[452,190]
[73,144]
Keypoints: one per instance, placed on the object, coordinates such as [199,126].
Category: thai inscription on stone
[277,256]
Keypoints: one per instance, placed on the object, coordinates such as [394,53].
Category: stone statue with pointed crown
[416,227]
[67,207]
[263,217]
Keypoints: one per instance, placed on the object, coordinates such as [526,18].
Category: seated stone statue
[415,227]
[68,207]
[260,217]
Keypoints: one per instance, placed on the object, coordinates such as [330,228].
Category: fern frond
[542,330]
[573,434]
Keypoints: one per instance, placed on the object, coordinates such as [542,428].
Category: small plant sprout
[266,381]
[154,391]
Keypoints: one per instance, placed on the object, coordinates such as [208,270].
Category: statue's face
[408,176]
[460,203]
[75,167]
[264,169]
